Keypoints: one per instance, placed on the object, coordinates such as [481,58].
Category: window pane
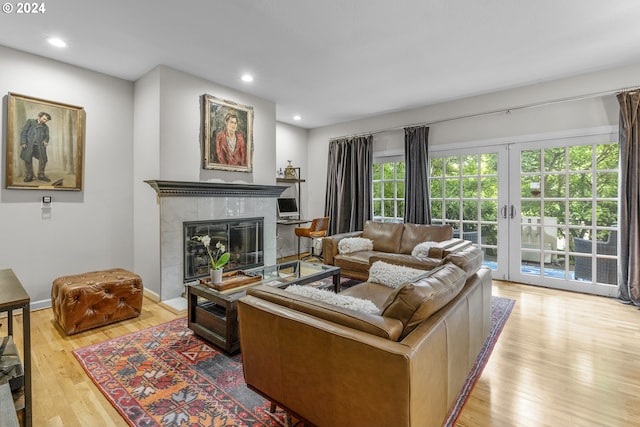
[489,211]
[580,213]
[436,209]
[555,159]
[580,158]
[530,186]
[452,166]
[531,208]
[580,185]
[388,170]
[377,190]
[399,190]
[389,190]
[489,164]
[489,188]
[377,208]
[377,171]
[436,188]
[400,170]
[453,188]
[530,161]
[469,187]
[607,156]
[436,167]
[400,209]
[554,185]
[389,208]
[606,214]
[607,184]
[470,210]
[554,212]
[469,165]
[452,209]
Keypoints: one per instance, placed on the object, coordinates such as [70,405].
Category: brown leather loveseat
[334,366]
[394,243]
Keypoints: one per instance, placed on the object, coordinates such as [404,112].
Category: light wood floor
[563,359]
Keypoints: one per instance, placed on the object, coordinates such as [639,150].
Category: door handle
[513,212]
[503,212]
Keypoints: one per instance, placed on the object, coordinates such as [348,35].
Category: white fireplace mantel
[181,201]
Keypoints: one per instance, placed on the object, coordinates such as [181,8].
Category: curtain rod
[492,112]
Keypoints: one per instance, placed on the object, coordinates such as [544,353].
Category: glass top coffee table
[212,314]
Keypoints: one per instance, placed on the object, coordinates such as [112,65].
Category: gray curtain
[416,188]
[349,175]
[629,254]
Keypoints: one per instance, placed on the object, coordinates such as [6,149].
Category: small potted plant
[218,258]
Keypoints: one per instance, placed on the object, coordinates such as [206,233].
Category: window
[388,189]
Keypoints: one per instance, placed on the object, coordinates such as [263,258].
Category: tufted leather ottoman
[88,300]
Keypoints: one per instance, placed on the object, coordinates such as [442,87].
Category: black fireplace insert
[243,238]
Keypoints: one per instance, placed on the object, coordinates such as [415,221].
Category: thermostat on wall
[46,199]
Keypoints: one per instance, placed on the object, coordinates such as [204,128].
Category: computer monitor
[288,207]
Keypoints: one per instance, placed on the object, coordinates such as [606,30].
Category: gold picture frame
[227,135]
[44,144]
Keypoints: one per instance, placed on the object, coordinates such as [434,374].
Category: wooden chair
[317,229]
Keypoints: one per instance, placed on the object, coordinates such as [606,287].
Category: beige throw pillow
[345,301]
[393,275]
[354,244]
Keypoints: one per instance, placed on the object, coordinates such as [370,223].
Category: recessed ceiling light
[247,78]
[54,41]
[297,117]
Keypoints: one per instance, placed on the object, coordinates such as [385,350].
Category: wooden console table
[14,297]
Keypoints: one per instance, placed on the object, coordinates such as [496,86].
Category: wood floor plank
[563,359]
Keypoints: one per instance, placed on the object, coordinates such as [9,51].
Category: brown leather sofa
[331,366]
[393,243]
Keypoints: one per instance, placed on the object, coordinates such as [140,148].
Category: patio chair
[607,269]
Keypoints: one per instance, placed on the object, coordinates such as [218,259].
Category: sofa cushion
[354,244]
[388,328]
[414,234]
[352,303]
[386,236]
[414,302]
[392,275]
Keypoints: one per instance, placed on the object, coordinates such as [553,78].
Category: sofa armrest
[446,247]
[330,245]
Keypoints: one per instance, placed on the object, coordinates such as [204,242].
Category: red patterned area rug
[166,376]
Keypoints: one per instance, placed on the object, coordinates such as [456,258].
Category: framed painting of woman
[45,144]
[227,133]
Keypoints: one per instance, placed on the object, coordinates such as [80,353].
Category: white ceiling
[333,61]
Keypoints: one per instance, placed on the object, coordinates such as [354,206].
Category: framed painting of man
[227,135]
[44,144]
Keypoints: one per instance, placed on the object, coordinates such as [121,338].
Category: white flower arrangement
[217,259]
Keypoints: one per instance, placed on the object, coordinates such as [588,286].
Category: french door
[544,212]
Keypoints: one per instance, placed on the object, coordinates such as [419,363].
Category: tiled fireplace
[182,202]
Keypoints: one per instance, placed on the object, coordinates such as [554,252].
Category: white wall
[168,147]
[292,145]
[590,112]
[90,229]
